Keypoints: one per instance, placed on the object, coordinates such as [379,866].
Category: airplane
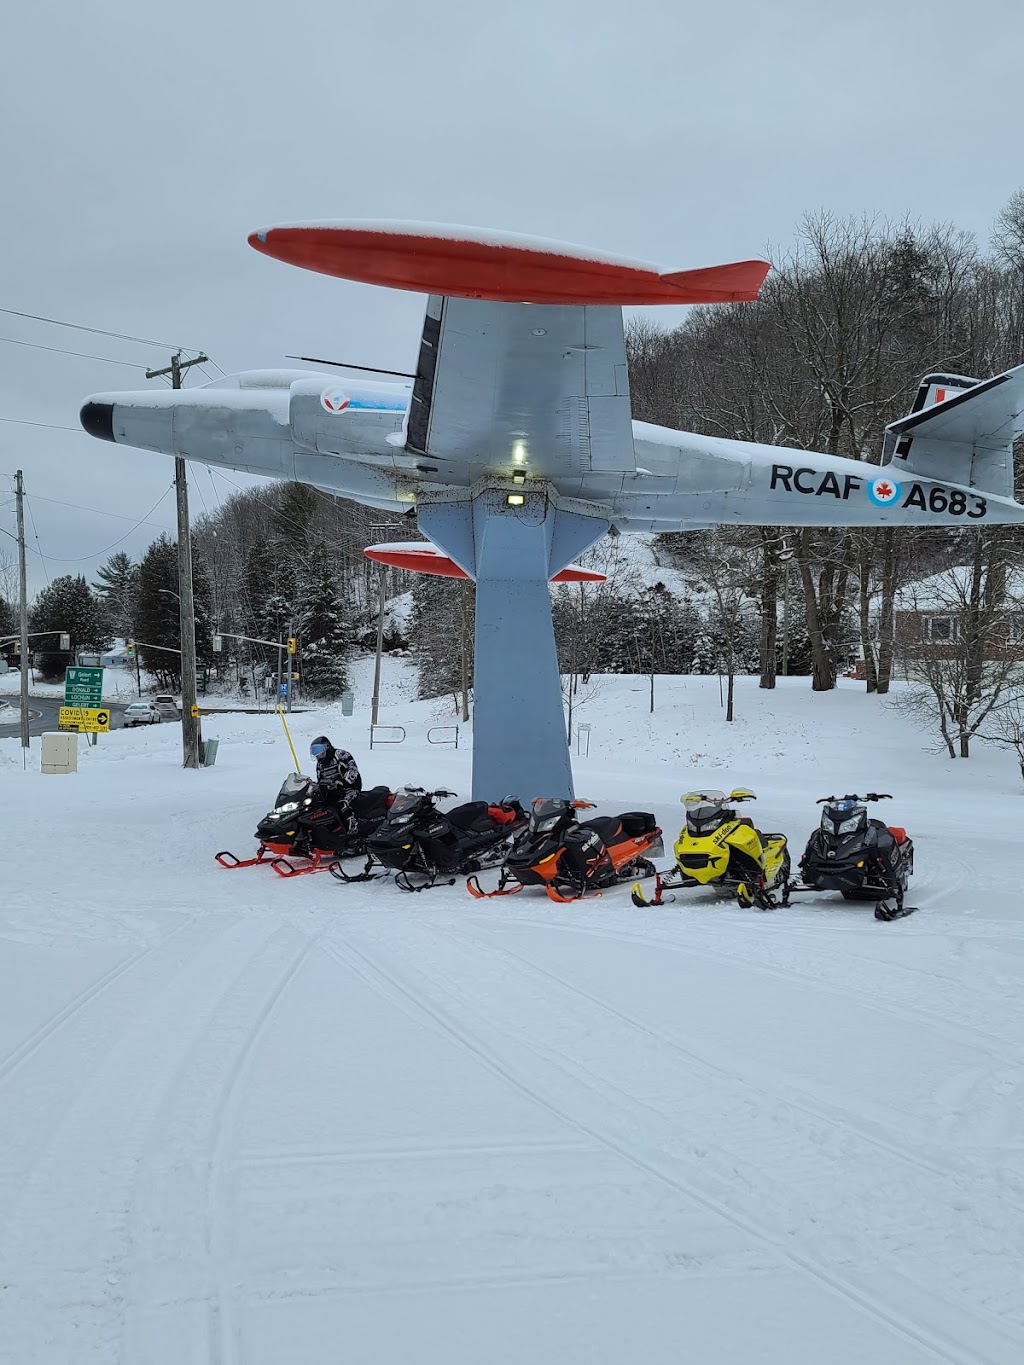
[515,449]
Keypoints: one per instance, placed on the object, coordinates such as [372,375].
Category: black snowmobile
[863,859]
[302,826]
[425,846]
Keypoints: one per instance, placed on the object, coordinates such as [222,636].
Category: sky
[141,144]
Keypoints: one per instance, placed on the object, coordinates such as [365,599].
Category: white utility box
[59,752]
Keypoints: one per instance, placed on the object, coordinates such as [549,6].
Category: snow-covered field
[250,1120]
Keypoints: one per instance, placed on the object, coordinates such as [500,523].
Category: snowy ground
[251,1120]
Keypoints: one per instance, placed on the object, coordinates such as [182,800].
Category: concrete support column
[520,745]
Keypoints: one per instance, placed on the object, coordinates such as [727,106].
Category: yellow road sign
[195,712]
[87,718]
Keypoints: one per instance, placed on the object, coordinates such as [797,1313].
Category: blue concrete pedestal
[520,746]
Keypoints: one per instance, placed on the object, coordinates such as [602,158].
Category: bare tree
[967,672]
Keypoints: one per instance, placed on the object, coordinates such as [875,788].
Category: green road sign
[83,687]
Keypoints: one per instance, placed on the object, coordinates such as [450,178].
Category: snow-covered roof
[945,591]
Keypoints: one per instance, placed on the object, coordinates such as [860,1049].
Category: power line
[82,355]
[39,547]
[99,511]
[80,559]
[97,331]
[24,422]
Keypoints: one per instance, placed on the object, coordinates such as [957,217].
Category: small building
[931,615]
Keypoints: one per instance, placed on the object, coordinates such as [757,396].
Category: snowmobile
[863,859]
[301,827]
[718,848]
[570,859]
[425,846]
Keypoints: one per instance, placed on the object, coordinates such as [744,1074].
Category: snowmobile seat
[607,827]
[637,822]
[898,833]
[766,835]
[469,815]
[372,804]
[501,815]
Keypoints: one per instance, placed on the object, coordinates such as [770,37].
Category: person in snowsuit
[338,777]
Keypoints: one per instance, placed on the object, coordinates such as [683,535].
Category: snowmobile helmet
[320,747]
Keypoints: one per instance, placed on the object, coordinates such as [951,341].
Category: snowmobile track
[1008,1052]
[844,1121]
[106,1134]
[20,1054]
[654,1162]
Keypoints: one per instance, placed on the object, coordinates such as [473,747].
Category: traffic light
[65,640]
[129,649]
[218,644]
[293,644]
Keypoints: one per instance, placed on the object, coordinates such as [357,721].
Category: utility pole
[380,649]
[19,489]
[190,729]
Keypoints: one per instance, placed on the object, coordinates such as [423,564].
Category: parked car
[167,707]
[141,713]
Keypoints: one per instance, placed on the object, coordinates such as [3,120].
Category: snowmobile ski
[337,871]
[231,861]
[318,862]
[640,900]
[475,889]
[885,914]
[556,895]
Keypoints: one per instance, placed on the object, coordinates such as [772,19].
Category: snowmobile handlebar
[852,796]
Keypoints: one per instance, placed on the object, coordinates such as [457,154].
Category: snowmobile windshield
[844,817]
[404,804]
[707,814]
[546,813]
[293,788]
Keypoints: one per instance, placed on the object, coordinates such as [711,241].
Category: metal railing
[451,735]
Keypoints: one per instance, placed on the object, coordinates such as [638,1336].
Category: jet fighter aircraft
[515,446]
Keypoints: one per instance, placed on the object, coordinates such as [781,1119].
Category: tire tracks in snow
[607,1115]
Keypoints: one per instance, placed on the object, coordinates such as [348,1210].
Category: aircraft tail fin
[961,431]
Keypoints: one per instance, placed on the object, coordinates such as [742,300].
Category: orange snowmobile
[570,859]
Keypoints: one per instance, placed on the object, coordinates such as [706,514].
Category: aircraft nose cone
[98,420]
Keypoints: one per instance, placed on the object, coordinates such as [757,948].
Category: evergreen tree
[116,586]
[157,617]
[8,627]
[435,629]
[323,629]
[66,605]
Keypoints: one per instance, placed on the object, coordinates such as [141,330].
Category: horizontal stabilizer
[420,556]
[966,438]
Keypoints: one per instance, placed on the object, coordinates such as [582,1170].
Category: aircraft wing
[522,360]
[516,384]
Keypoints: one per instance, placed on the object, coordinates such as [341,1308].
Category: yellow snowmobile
[718,848]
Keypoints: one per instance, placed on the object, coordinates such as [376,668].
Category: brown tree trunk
[890,575]
[823,677]
[864,585]
[769,609]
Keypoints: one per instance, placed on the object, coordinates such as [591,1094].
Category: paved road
[43,715]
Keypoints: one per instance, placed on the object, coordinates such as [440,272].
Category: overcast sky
[141,143]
